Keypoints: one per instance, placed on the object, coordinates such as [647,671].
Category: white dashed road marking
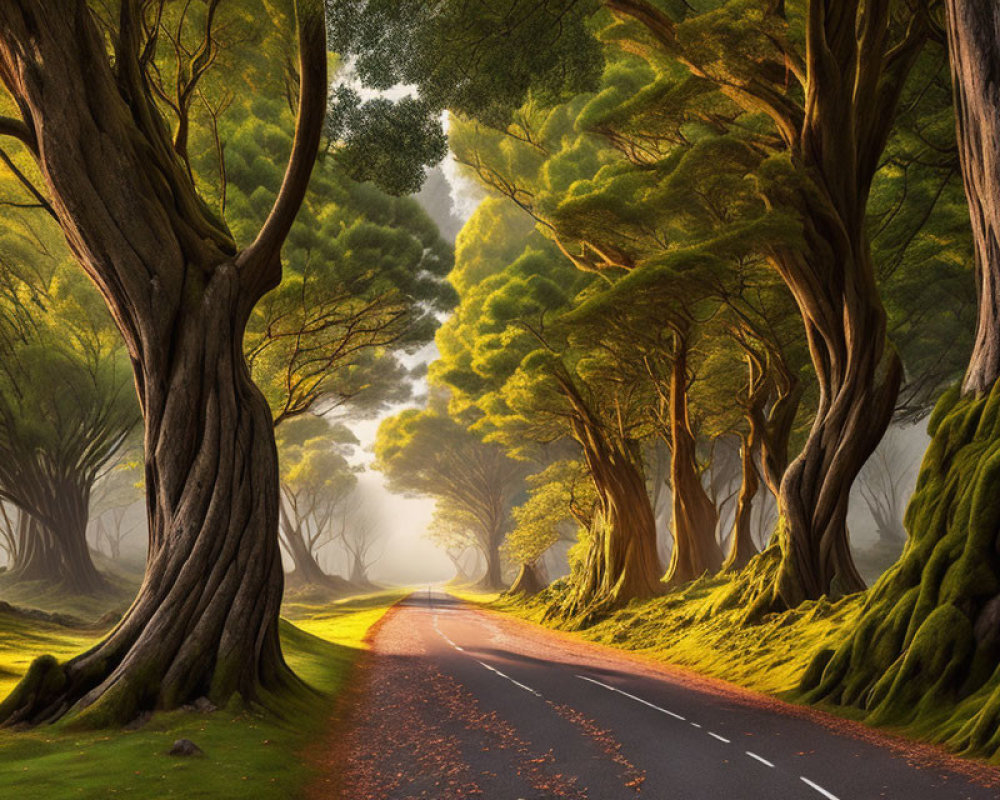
[761,759]
[723,739]
[819,789]
[632,697]
[518,684]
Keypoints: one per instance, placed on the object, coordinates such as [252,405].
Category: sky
[408,557]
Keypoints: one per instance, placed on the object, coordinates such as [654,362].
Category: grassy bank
[245,755]
[686,628]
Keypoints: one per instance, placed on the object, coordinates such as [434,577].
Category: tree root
[929,634]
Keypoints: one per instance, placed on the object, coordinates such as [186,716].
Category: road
[461,703]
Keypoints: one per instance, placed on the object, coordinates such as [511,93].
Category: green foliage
[482,59]
[560,500]
[363,276]
[312,456]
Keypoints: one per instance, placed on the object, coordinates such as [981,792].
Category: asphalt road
[459,703]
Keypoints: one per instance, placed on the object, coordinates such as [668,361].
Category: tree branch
[261,261]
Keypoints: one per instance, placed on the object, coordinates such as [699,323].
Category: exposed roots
[929,634]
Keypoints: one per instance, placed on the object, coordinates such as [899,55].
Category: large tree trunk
[205,621]
[741,543]
[55,549]
[493,577]
[696,550]
[858,381]
[622,562]
[929,635]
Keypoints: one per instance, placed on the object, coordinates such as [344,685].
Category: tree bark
[55,549]
[622,562]
[530,580]
[205,621]
[741,545]
[972,37]
[696,550]
[929,635]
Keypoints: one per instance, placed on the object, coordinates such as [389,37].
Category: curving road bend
[460,703]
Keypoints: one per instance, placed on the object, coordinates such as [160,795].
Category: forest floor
[692,628]
[244,755]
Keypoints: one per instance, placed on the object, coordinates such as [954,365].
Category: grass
[687,628]
[39,595]
[246,756]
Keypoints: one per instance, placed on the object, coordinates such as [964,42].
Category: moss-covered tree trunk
[205,621]
[929,634]
[622,563]
[696,550]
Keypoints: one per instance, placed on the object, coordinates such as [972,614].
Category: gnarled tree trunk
[205,621]
[929,635]
[696,550]
[622,562]
[858,381]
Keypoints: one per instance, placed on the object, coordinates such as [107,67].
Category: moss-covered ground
[245,755]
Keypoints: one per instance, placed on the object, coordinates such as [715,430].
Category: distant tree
[363,543]
[117,492]
[561,501]
[427,453]
[884,486]
[316,486]
[67,406]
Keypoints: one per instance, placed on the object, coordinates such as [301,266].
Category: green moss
[915,656]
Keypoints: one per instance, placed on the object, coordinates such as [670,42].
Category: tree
[425,452]
[814,95]
[362,542]
[534,382]
[561,501]
[884,485]
[67,407]
[928,632]
[316,485]
[205,622]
